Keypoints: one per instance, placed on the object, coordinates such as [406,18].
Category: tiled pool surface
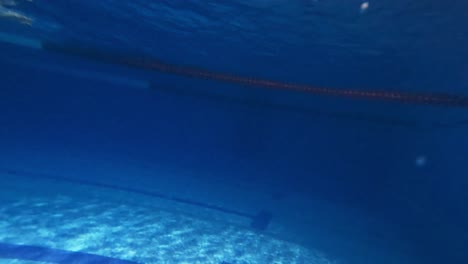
[61,216]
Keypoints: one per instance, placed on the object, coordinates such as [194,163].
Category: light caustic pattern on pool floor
[16,261]
[144,235]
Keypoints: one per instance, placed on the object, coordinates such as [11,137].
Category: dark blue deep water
[338,127]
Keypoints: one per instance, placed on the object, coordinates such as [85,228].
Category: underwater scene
[233,132]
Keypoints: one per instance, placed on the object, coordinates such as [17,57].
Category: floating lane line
[153,64]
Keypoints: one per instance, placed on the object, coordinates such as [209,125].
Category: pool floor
[64,216]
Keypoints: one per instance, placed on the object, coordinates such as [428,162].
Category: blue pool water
[233,132]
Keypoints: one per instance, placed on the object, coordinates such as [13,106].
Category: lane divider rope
[152,64]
